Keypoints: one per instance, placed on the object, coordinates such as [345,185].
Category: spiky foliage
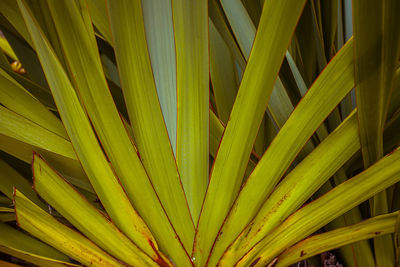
[195,132]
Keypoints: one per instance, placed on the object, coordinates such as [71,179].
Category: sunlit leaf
[86,218]
[48,229]
[376,226]
[192,60]
[146,118]
[14,239]
[248,110]
[316,214]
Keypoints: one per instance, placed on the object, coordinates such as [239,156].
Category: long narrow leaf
[35,259]
[292,192]
[191,38]
[376,45]
[85,217]
[158,24]
[45,227]
[22,129]
[306,118]
[82,136]
[98,13]
[71,168]
[107,122]
[16,98]
[144,111]
[241,24]
[14,239]
[278,19]
[377,48]
[313,216]
[376,226]
[76,35]
[10,178]
[222,73]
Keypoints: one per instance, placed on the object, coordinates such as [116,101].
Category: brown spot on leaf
[255,262]
[159,260]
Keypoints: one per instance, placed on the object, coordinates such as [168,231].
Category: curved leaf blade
[298,186]
[316,244]
[42,225]
[192,151]
[86,218]
[327,91]
[94,162]
[247,113]
[158,24]
[318,213]
[144,111]
[13,239]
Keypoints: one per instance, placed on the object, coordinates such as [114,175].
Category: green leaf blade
[14,239]
[85,217]
[158,24]
[291,193]
[316,244]
[146,118]
[45,227]
[316,214]
[91,156]
[192,153]
[246,116]
[306,118]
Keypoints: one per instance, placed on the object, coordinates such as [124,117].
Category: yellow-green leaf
[327,91]
[316,244]
[158,24]
[98,14]
[222,73]
[377,48]
[83,138]
[22,129]
[247,113]
[318,213]
[146,118]
[10,10]
[35,259]
[71,168]
[290,194]
[10,178]
[43,226]
[5,46]
[86,218]
[16,98]
[191,40]
[7,216]
[76,35]
[13,239]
